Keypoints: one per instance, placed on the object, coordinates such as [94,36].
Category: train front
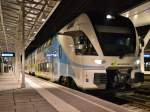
[120,49]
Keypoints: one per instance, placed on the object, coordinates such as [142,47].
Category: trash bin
[6,69]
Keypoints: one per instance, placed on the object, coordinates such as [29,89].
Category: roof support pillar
[22,46]
[17,60]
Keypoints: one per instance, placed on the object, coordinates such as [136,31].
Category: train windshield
[116,35]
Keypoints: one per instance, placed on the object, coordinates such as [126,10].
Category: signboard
[7,54]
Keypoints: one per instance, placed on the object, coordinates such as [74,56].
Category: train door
[55,66]
[51,69]
[63,63]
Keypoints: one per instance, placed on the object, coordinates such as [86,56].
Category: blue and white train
[91,52]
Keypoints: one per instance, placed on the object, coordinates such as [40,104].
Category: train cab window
[82,44]
[116,36]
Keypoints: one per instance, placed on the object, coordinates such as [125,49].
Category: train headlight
[137,62]
[98,61]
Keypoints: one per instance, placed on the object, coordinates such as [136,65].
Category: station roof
[33,12]
[140,17]
[67,10]
[43,18]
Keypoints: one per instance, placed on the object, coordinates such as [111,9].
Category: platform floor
[16,99]
[44,96]
[9,81]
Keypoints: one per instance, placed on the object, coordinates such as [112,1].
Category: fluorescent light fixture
[108,16]
[43,20]
[98,61]
[9,55]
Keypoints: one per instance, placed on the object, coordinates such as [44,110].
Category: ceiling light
[43,20]
[127,15]
[71,45]
[109,16]
[135,16]
[7,29]
[137,62]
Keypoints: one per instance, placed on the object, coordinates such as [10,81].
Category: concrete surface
[44,96]
[16,99]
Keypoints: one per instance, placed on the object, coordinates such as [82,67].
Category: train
[93,51]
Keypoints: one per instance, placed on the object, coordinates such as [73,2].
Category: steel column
[23,46]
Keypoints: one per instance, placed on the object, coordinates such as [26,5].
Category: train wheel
[73,84]
[60,80]
[63,81]
[115,81]
[33,73]
[66,82]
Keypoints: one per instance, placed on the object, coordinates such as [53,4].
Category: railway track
[137,103]
[138,100]
[132,107]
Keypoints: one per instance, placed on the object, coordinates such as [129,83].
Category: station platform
[44,96]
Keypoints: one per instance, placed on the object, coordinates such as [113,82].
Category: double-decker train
[93,51]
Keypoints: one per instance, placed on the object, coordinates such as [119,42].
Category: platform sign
[8,54]
[146,55]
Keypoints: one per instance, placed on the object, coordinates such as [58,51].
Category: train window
[82,44]
[39,49]
[38,67]
[45,44]
[60,51]
[43,67]
[48,43]
[42,48]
